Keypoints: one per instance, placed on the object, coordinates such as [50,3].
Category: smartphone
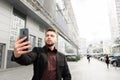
[24,33]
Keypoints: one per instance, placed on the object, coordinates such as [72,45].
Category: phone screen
[24,32]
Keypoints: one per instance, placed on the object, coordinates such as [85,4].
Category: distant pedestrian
[88,57]
[107,60]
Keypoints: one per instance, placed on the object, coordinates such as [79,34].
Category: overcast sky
[92,18]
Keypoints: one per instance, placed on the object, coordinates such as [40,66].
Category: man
[49,64]
[88,57]
[107,60]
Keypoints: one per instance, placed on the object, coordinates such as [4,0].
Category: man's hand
[20,46]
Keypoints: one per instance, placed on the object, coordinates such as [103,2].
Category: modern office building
[83,46]
[113,19]
[114,14]
[37,16]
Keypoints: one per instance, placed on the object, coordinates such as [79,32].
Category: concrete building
[83,46]
[37,16]
[114,24]
[107,48]
[114,14]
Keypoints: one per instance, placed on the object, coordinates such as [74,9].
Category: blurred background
[85,27]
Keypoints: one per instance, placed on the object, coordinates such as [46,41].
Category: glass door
[1,48]
[2,52]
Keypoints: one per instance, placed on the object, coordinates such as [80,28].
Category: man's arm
[66,72]
[26,59]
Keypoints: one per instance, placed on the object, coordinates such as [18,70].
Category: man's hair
[51,29]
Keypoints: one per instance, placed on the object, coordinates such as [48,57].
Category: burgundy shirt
[50,71]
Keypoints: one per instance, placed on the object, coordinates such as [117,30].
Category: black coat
[38,57]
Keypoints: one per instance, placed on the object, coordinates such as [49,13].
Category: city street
[81,70]
[95,70]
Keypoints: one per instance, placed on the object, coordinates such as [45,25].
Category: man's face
[50,38]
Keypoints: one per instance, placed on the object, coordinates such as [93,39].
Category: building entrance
[2,52]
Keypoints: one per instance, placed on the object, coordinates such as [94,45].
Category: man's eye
[47,35]
[52,35]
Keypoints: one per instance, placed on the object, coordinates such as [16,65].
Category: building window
[41,27]
[39,42]
[18,22]
[33,41]
[1,52]
[41,2]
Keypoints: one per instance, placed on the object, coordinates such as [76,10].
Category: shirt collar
[48,50]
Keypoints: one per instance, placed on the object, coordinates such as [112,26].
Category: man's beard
[49,45]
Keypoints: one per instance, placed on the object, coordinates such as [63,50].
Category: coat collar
[46,49]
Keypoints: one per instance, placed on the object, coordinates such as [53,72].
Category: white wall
[34,29]
[5,21]
[5,24]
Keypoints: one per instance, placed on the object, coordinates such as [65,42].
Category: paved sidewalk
[81,70]
[95,70]
[19,73]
